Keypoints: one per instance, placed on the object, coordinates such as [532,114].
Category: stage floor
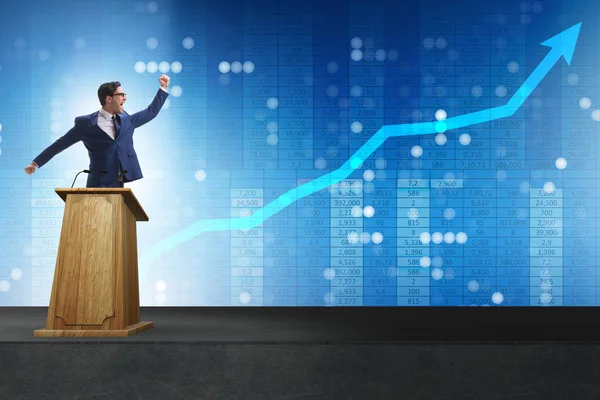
[273,325]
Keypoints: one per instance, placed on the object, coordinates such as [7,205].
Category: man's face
[116,101]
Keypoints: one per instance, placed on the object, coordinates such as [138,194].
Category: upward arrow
[565,42]
[562,45]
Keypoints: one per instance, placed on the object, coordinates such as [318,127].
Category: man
[108,136]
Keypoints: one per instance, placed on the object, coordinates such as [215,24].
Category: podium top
[129,197]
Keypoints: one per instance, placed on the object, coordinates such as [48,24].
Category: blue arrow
[562,45]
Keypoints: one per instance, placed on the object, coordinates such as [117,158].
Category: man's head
[112,97]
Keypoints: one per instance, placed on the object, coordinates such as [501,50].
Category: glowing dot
[357,211]
[449,237]
[441,43]
[356,127]
[164,67]
[477,91]
[380,55]
[413,213]
[4,286]
[437,274]
[425,237]
[248,67]
[272,127]
[461,238]
[80,43]
[320,163]
[356,43]
[356,55]
[545,298]
[272,139]
[176,91]
[549,187]
[440,139]
[332,67]
[356,91]
[561,163]
[152,67]
[585,103]
[16,274]
[329,273]
[428,43]
[464,139]
[441,115]
[245,298]
[332,91]
[236,67]
[441,126]
[416,151]
[353,237]
[473,286]
[140,67]
[497,298]
[449,213]
[369,211]
[377,237]
[596,115]
[437,237]
[272,103]
[188,43]
[152,7]
[425,262]
[160,286]
[365,238]
[176,67]
[513,67]
[501,175]
[573,79]
[501,91]
[200,175]
[152,43]
[368,175]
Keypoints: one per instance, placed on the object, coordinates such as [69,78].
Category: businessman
[108,136]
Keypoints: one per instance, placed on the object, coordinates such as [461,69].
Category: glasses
[119,94]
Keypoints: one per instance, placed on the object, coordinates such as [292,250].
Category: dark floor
[269,325]
[303,353]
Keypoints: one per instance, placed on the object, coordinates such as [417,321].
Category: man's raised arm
[142,117]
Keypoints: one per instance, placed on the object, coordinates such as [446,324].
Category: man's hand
[164,81]
[30,169]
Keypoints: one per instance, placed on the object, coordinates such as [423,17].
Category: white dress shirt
[106,123]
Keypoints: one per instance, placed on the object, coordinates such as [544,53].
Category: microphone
[87,171]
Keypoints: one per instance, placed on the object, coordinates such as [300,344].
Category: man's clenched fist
[30,169]
[164,81]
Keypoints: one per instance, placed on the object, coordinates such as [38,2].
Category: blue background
[267,95]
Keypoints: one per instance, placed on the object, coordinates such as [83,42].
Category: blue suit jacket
[106,153]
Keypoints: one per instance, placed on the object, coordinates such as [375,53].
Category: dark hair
[107,89]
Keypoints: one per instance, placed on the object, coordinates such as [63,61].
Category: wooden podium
[95,290]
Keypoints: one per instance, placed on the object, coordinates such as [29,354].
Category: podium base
[129,331]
